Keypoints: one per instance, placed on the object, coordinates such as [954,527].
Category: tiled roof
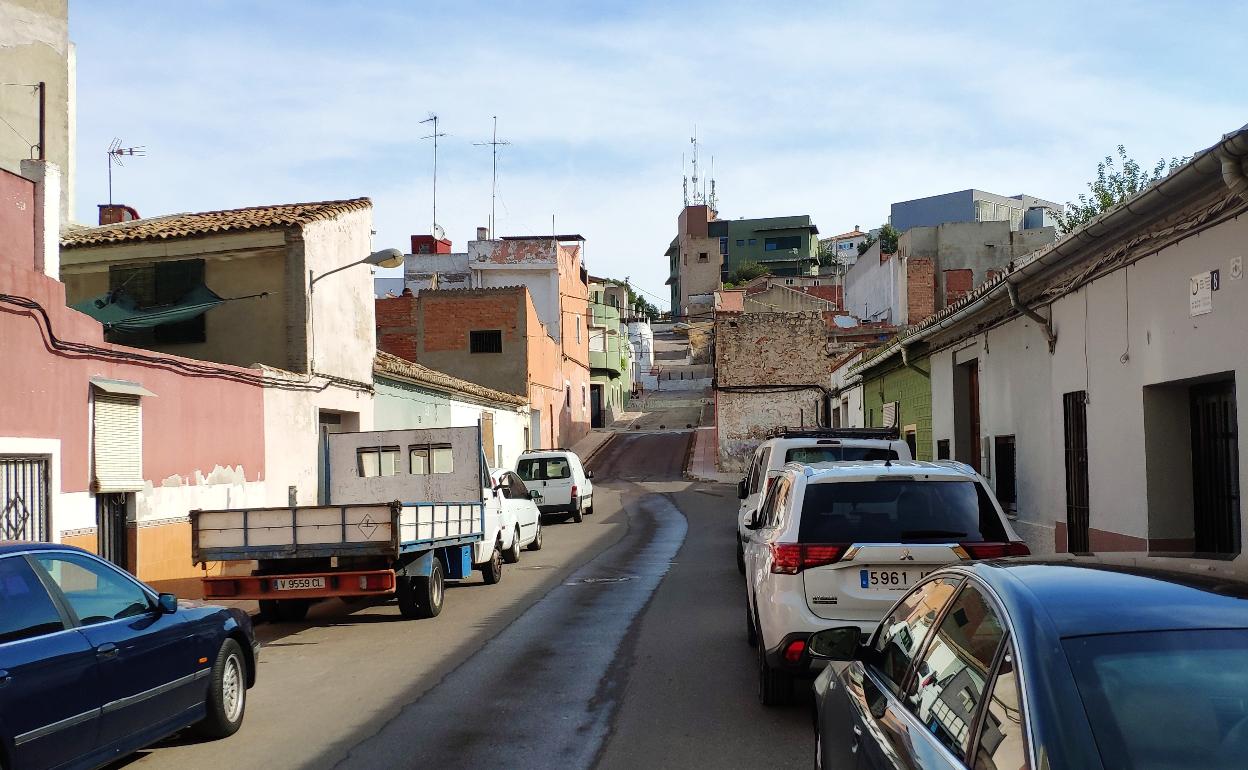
[385,364]
[850,234]
[206,222]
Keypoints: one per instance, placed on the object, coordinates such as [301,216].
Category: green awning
[117,311]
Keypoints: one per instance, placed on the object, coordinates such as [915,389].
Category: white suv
[836,544]
[806,446]
[558,476]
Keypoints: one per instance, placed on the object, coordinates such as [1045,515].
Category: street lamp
[383,258]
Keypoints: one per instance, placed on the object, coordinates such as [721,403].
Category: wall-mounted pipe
[1045,324]
[905,361]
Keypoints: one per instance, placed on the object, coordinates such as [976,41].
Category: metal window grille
[485,341]
[1007,489]
[1075,423]
[24,504]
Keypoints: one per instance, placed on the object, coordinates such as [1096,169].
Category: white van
[560,478]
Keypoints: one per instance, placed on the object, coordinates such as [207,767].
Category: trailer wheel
[421,596]
[492,570]
[512,554]
[285,610]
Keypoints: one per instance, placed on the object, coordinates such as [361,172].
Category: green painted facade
[609,367]
[786,245]
[912,391]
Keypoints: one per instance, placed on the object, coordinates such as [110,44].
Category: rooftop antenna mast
[115,153]
[699,196]
[684,178]
[493,144]
[433,118]
[713,202]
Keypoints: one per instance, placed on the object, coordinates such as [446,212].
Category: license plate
[297,584]
[890,579]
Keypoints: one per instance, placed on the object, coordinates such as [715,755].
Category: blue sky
[831,109]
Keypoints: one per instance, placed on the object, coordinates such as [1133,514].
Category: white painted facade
[875,290]
[1130,341]
[847,408]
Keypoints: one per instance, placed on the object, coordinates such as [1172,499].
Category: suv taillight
[792,558]
[996,550]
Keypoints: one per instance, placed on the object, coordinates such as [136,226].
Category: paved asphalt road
[618,645]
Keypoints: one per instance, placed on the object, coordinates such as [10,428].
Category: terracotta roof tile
[206,222]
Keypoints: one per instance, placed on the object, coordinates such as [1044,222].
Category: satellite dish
[439,233]
[845,321]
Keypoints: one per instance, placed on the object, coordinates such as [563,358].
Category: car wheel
[589,509]
[578,515]
[536,545]
[492,572]
[512,554]
[284,610]
[775,687]
[227,693]
[422,596]
[740,557]
[751,635]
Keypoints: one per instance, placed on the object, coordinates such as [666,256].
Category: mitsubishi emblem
[906,555]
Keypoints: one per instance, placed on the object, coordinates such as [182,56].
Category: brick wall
[958,283]
[447,319]
[397,326]
[920,289]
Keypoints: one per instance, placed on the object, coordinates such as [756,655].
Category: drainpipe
[1046,325]
[905,361]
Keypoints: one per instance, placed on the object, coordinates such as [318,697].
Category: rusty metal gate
[1215,467]
[24,504]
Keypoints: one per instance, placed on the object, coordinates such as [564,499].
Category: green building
[785,245]
[897,392]
[610,372]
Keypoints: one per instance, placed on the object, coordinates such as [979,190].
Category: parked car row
[95,665]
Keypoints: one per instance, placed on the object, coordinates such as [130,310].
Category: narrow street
[616,645]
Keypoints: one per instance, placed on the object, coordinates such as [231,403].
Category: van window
[544,469]
[899,511]
[808,455]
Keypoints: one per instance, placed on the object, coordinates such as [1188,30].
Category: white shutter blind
[118,443]
[890,414]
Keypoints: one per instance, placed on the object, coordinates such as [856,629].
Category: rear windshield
[1167,698]
[899,511]
[809,455]
[544,469]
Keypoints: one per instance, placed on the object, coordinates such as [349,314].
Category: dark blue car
[1115,661]
[95,665]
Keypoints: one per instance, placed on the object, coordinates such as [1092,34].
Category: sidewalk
[593,441]
[702,459]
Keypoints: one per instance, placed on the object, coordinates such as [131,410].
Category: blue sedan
[95,665]
[1115,661]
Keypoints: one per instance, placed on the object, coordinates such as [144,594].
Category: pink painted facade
[202,431]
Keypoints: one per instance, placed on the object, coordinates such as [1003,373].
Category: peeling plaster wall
[343,309]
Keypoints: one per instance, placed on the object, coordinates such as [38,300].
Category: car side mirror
[168,603]
[840,644]
[743,490]
[753,522]
[534,495]
[589,474]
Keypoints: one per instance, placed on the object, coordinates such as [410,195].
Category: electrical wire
[188,367]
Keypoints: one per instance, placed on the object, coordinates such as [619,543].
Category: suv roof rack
[551,449]
[884,434]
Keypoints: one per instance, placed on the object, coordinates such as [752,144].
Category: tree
[887,238]
[746,272]
[1112,186]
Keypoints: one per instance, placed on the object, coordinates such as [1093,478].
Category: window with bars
[485,341]
[942,449]
[1007,486]
[1075,430]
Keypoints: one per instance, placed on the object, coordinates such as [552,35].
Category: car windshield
[898,511]
[1165,699]
[809,455]
[544,469]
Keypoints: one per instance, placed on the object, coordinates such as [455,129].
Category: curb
[587,458]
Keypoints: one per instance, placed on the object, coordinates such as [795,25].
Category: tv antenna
[115,153]
[433,118]
[493,144]
[699,193]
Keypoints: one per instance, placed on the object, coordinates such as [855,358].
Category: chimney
[114,213]
[427,244]
[483,233]
[856,229]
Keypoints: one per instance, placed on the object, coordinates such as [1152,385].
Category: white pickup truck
[408,509]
